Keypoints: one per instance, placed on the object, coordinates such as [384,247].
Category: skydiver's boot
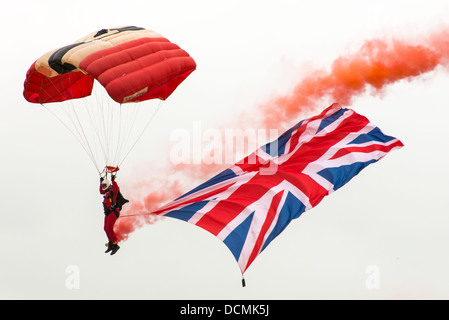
[110,246]
[115,248]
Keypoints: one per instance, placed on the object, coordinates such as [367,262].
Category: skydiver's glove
[101,179]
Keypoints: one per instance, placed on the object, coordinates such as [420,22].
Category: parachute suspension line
[77,138]
[115,127]
[84,133]
[142,132]
[95,120]
[129,120]
[104,118]
[106,130]
[119,135]
[106,123]
[80,127]
[121,127]
[104,115]
[75,131]
[110,131]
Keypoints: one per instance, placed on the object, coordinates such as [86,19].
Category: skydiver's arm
[115,190]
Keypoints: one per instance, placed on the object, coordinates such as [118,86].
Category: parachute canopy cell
[133,64]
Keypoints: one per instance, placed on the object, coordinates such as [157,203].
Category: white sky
[394,215]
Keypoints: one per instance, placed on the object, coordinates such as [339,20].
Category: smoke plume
[375,65]
[147,196]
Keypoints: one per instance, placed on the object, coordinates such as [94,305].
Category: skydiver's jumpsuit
[110,199]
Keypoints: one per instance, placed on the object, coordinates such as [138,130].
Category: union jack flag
[249,204]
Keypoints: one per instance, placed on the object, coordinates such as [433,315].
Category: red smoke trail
[137,212]
[159,191]
[378,63]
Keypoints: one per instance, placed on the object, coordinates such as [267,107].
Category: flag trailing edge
[249,204]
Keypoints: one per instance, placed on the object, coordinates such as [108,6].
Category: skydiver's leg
[109,222]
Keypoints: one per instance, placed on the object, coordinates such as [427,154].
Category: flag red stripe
[366,149]
[271,214]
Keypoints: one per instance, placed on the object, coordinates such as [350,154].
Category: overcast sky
[391,221]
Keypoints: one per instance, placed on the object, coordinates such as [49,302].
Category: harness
[108,195]
[107,211]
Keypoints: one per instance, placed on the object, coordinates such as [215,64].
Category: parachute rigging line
[112,126]
[88,150]
[144,129]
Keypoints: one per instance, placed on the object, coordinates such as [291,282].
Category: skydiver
[110,190]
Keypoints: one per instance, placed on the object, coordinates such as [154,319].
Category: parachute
[126,64]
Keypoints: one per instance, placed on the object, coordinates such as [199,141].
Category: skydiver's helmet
[105,184]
